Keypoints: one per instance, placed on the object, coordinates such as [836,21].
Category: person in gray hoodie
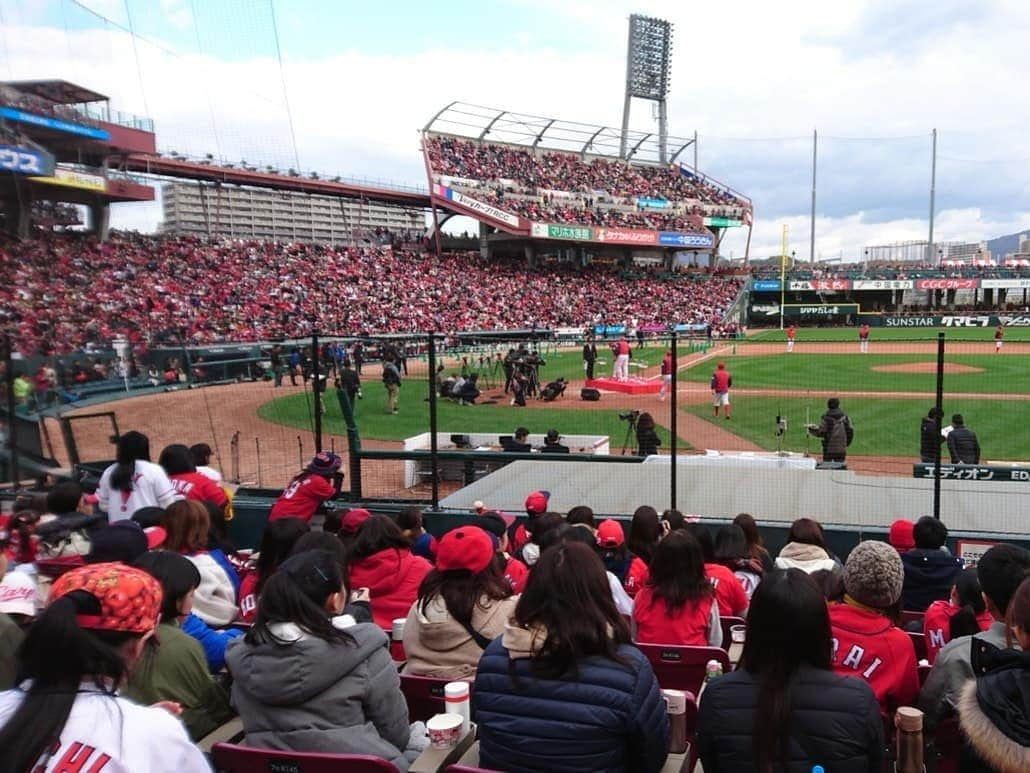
[309,679]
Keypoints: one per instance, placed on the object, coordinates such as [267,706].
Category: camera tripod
[630,429]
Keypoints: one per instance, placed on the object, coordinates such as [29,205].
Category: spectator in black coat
[563,688]
[962,442]
[783,708]
[930,437]
[929,571]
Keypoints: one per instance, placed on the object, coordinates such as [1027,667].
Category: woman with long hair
[308,679]
[645,530]
[729,592]
[994,708]
[188,525]
[784,708]
[176,669]
[677,605]
[806,548]
[566,638]
[133,481]
[310,489]
[647,439]
[755,548]
[964,613]
[731,551]
[277,542]
[67,714]
[409,519]
[381,560]
[177,461]
[463,605]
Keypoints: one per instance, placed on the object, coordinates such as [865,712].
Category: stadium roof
[61,92]
[494,125]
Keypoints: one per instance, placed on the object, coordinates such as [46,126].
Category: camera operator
[647,438]
[518,443]
[553,390]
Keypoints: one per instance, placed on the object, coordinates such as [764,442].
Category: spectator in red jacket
[514,571]
[963,614]
[187,482]
[729,591]
[866,643]
[277,542]
[381,561]
[644,533]
[308,491]
[677,604]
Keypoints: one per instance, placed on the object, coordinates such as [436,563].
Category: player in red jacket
[999,334]
[863,339]
[791,332]
[666,375]
[865,642]
[721,383]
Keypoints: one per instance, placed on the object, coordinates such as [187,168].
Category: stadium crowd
[61,293]
[561,187]
[311,639]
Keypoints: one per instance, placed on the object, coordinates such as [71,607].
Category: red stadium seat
[909,616]
[228,758]
[919,642]
[682,667]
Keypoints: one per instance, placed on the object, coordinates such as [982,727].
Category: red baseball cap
[536,502]
[353,519]
[900,535]
[130,599]
[467,547]
[610,534]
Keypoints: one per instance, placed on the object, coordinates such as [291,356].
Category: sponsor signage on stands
[12,114]
[481,207]
[911,321]
[820,284]
[960,321]
[765,286]
[722,222]
[649,203]
[580,233]
[821,310]
[538,230]
[1020,321]
[672,239]
[947,284]
[72,178]
[625,235]
[25,161]
[971,551]
[1004,284]
[995,472]
[882,284]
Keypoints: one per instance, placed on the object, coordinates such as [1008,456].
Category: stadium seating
[561,187]
[726,623]
[62,293]
[683,667]
[228,758]
[424,695]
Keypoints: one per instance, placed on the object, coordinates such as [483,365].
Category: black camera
[629,415]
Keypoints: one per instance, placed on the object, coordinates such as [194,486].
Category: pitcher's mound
[926,367]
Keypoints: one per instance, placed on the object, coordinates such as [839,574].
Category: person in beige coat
[462,605]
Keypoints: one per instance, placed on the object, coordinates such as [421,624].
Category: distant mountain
[1004,245]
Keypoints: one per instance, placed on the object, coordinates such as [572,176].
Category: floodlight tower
[648,62]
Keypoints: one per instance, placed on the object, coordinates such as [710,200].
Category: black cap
[492,523]
[122,541]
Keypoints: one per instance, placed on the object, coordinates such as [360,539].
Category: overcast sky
[752,78]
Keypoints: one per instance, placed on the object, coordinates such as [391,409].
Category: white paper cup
[675,701]
[444,730]
[398,629]
[737,633]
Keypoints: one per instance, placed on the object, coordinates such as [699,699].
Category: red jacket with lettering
[936,629]
[729,592]
[196,485]
[516,573]
[866,645]
[636,576]
[655,626]
[302,497]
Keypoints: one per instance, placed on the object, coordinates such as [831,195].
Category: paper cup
[675,701]
[444,730]
[737,633]
[398,629]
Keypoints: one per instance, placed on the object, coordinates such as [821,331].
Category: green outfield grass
[812,334]
[413,419]
[882,427]
[853,372]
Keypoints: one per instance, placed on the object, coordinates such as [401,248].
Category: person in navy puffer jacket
[563,688]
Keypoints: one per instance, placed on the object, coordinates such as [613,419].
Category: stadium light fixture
[648,73]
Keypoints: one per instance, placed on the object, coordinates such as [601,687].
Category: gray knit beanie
[873,574]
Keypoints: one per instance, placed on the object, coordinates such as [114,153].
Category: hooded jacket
[994,712]
[929,575]
[807,558]
[310,695]
[834,722]
[866,645]
[437,645]
[392,577]
[836,431]
[609,716]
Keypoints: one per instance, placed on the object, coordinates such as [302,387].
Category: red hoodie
[936,626]
[636,576]
[866,645]
[196,485]
[392,577]
[656,626]
[729,592]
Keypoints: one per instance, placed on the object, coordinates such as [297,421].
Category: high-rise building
[258,213]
